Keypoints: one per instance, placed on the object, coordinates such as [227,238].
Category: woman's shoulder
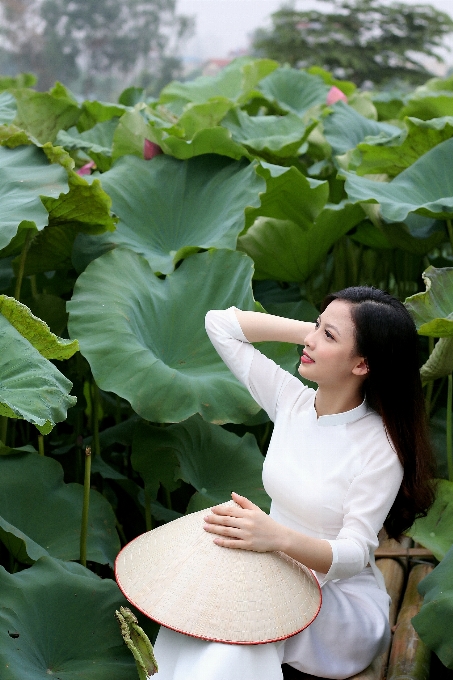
[375,443]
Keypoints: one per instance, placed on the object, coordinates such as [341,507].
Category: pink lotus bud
[150,150]
[87,168]
[335,95]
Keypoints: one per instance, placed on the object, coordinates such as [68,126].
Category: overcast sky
[223,26]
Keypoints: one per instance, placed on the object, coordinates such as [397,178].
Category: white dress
[333,477]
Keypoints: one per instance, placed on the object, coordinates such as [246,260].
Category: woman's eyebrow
[329,325]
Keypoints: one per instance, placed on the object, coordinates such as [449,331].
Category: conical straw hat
[177,576]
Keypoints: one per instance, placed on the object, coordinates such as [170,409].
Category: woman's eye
[317,323]
[329,335]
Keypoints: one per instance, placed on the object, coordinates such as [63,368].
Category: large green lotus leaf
[130,135]
[57,620]
[13,136]
[432,310]
[154,458]
[43,114]
[25,177]
[268,136]
[215,462]
[209,141]
[433,622]
[417,235]
[36,331]
[429,105]
[8,108]
[31,388]
[388,104]
[86,207]
[41,515]
[395,155]
[93,112]
[288,251]
[292,90]
[197,117]
[96,142]
[236,82]
[169,208]
[289,195]
[435,531]
[145,339]
[344,128]
[195,132]
[426,187]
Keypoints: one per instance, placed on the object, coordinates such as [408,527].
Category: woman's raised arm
[258,327]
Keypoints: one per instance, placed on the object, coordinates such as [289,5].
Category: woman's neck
[328,401]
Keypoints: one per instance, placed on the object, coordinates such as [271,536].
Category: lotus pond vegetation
[122,224]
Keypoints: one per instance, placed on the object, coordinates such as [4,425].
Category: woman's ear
[361,367]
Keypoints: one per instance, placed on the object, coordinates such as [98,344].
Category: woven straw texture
[177,576]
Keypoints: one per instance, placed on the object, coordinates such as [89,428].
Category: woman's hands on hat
[245,527]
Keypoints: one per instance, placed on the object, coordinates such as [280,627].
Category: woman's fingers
[231,543]
[221,530]
[243,501]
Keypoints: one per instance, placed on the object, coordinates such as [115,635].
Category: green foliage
[31,387]
[393,155]
[409,191]
[208,457]
[432,310]
[40,515]
[252,160]
[435,531]
[40,636]
[361,40]
[167,376]
[29,170]
[431,623]
[169,209]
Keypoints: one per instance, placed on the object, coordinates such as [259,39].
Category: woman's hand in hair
[244,526]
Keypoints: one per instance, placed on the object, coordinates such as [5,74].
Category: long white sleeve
[264,379]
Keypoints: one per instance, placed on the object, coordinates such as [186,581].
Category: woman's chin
[302,370]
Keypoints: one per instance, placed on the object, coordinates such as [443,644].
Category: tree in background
[93,39]
[362,40]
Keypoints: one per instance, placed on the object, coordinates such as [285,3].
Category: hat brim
[177,576]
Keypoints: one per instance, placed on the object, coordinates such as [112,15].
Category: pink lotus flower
[150,150]
[87,168]
[335,95]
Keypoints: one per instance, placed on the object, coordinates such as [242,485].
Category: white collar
[344,417]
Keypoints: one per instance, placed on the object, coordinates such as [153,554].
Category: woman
[342,461]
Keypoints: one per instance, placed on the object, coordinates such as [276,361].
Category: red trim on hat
[200,637]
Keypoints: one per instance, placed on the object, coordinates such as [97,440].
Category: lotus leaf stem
[41,444]
[23,257]
[449,427]
[95,419]
[85,509]
[168,499]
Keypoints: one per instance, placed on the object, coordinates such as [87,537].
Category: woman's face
[329,357]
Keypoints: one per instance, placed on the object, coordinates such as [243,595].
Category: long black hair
[386,336]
